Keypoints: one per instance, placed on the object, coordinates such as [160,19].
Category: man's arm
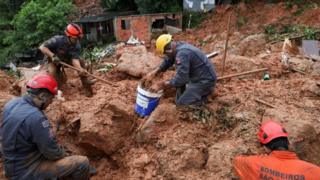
[47,45]
[46,51]
[45,140]
[165,65]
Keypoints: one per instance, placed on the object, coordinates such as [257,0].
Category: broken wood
[243,73]
[265,103]
[96,77]
[213,54]
[299,71]
[226,46]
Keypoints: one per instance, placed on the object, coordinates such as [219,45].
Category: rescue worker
[280,164]
[195,76]
[66,48]
[30,150]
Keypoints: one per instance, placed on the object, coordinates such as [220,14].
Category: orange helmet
[74,30]
[270,130]
[44,81]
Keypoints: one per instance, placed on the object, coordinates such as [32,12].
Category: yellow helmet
[162,41]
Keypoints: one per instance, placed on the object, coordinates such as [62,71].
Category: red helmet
[270,130]
[74,30]
[44,81]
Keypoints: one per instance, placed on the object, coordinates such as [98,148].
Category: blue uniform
[194,69]
[65,51]
[27,139]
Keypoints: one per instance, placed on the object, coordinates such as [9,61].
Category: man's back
[19,153]
[194,61]
[277,165]
[26,138]
[59,45]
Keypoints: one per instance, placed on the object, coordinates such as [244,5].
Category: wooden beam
[265,103]
[243,73]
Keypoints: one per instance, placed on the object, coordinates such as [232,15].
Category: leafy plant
[270,29]
[37,21]
[156,6]
[119,5]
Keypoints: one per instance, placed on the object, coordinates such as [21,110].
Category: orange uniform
[279,165]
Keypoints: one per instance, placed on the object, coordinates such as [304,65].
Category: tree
[119,5]
[37,21]
[8,8]
[156,6]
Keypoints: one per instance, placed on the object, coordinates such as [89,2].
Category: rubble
[164,145]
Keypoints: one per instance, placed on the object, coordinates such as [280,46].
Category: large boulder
[106,129]
[136,61]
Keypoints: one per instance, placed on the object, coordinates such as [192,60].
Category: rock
[136,61]
[316,68]
[107,129]
[311,88]
[251,45]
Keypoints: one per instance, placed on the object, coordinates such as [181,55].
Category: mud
[165,146]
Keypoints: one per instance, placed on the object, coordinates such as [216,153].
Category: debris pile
[167,145]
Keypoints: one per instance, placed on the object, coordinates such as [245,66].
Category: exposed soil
[122,145]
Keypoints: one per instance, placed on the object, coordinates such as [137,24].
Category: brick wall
[139,26]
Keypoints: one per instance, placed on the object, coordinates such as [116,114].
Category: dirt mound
[5,81]
[164,145]
[5,84]
[136,61]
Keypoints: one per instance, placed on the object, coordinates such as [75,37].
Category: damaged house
[121,26]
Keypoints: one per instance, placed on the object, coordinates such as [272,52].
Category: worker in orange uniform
[280,164]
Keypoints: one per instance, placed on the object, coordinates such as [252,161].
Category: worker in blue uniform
[29,148]
[195,77]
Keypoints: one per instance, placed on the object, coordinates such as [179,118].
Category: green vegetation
[194,18]
[302,6]
[275,33]
[37,21]
[119,5]
[8,8]
[156,6]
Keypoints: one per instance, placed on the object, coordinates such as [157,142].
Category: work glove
[55,59]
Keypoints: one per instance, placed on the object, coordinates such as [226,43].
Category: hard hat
[270,130]
[162,41]
[43,81]
[74,30]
